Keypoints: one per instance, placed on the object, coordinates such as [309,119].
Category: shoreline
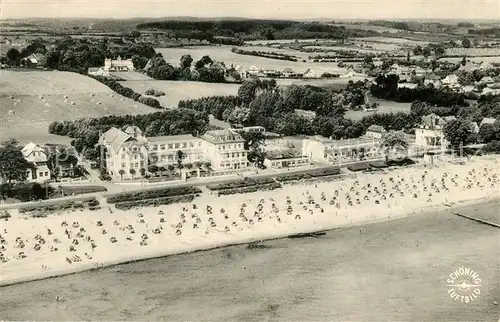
[303,213]
[218,245]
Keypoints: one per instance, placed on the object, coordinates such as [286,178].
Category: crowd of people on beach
[364,198]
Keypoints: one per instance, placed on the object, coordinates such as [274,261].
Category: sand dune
[41,247]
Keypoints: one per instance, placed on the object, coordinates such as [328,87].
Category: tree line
[386,87]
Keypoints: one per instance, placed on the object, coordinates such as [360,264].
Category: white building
[375,132]
[225,150]
[430,132]
[118,65]
[97,71]
[38,157]
[331,151]
[126,153]
[309,73]
[451,81]
[164,150]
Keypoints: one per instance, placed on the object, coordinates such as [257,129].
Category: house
[330,151]
[375,132]
[418,71]
[467,89]
[430,132]
[118,65]
[225,150]
[349,74]
[485,66]
[490,91]
[450,81]
[5,41]
[468,67]
[309,73]
[432,79]
[126,154]
[286,159]
[62,165]
[38,157]
[487,120]
[271,73]
[287,72]
[98,71]
[487,80]
[36,58]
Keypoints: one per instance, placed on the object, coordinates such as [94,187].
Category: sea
[392,271]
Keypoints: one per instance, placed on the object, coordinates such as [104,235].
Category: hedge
[73,204]
[153,194]
[266,187]
[246,182]
[324,172]
[78,190]
[292,177]
[126,205]
[358,167]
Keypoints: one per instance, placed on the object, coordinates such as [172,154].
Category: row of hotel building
[225,151]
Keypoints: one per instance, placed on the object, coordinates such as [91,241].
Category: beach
[389,271]
[34,248]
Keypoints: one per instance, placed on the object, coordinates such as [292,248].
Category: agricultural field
[179,90]
[370,28]
[320,82]
[476,59]
[391,40]
[31,100]
[223,53]
[471,52]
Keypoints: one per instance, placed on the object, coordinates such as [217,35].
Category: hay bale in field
[65,96]
[98,103]
[66,101]
[92,94]
[47,104]
[11,97]
[72,103]
[11,112]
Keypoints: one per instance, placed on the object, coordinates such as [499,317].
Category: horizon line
[257,18]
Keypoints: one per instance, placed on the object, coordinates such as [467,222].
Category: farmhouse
[330,151]
[287,73]
[450,81]
[36,155]
[487,120]
[432,79]
[309,73]
[36,58]
[97,71]
[430,132]
[487,80]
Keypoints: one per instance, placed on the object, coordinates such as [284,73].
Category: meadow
[31,100]
[180,90]
[384,107]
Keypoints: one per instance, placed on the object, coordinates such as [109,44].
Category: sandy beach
[34,248]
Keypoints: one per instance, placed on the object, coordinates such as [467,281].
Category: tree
[153,168]
[393,140]
[186,61]
[466,43]
[459,132]
[132,172]
[239,115]
[121,172]
[189,166]
[142,171]
[179,155]
[170,168]
[13,165]
[464,61]
[205,60]
[13,56]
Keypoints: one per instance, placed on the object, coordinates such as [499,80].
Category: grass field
[131,76]
[384,107]
[475,59]
[178,90]
[224,54]
[473,51]
[31,100]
